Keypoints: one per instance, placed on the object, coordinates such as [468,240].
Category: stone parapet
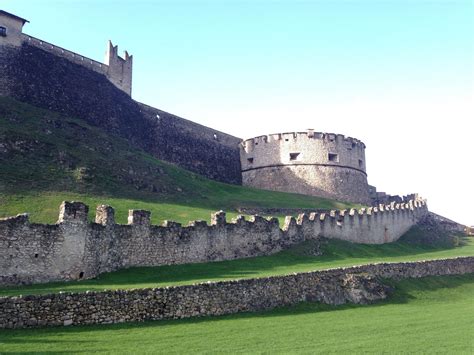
[75,248]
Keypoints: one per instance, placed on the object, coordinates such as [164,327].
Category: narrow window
[294,156]
[333,157]
[81,274]
[36,256]
[250,160]
[3,31]
[361,163]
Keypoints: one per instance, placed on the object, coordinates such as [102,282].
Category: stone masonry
[311,163]
[74,248]
[359,284]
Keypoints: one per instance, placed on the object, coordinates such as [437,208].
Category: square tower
[119,70]
[11,29]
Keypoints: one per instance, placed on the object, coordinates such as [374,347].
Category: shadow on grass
[336,253]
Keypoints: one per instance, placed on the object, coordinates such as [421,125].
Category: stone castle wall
[312,163]
[37,75]
[118,70]
[357,284]
[74,248]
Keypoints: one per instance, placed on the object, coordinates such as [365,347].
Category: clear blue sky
[396,74]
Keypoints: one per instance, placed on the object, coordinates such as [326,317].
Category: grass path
[429,315]
[336,254]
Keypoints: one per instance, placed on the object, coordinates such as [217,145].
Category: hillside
[47,157]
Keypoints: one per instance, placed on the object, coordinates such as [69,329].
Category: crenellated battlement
[76,248]
[348,142]
[312,163]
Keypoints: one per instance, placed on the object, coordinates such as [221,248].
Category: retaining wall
[74,248]
[334,287]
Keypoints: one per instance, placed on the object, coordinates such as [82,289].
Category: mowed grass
[297,259]
[432,315]
[43,206]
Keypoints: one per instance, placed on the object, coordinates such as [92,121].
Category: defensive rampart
[312,163]
[74,248]
[44,77]
[357,284]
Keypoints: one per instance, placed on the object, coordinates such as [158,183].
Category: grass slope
[428,315]
[46,157]
[336,254]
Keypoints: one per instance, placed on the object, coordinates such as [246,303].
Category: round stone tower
[311,163]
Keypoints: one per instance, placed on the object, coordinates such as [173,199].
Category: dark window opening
[36,255]
[333,157]
[250,160]
[286,139]
[361,163]
[3,31]
[353,145]
[81,274]
[294,156]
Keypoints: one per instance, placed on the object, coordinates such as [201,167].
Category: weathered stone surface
[311,163]
[75,249]
[359,284]
[32,74]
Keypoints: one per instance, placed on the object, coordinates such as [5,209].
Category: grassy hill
[46,158]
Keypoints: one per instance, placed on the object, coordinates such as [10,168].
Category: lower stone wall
[337,286]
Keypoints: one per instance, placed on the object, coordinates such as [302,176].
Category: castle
[320,164]
[312,163]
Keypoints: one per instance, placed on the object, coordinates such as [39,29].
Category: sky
[396,74]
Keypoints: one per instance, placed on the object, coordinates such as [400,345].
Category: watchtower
[11,29]
[311,163]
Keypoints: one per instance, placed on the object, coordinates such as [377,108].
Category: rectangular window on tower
[333,157]
[3,31]
[294,156]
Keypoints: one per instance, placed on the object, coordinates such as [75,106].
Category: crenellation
[309,162]
[73,212]
[239,220]
[139,217]
[218,218]
[105,215]
[80,249]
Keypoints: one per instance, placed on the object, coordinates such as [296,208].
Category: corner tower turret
[311,163]
[119,70]
[11,29]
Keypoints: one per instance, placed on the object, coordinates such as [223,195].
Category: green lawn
[424,316]
[336,253]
